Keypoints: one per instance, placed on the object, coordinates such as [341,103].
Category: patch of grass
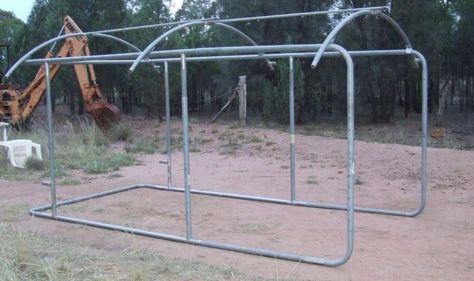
[7,171]
[194,148]
[200,140]
[254,139]
[73,153]
[230,148]
[86,150]
[235,141]
[311,180]
[12,213]
[98,210]
[34,164]
[91,159]
[226,135]
[194,143]
[255,228]
[108,163]
[448,141]
[176,142]
[91,134]
[269,143]
[69,181]
[38,136]
[28,256]
[235,125]
[147,145]
[120,132]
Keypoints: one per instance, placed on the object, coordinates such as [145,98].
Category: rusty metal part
[105,115]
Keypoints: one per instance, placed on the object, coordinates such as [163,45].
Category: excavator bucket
[105,115]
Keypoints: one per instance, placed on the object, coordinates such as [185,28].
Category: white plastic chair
[20,150]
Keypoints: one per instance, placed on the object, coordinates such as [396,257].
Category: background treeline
[441,29]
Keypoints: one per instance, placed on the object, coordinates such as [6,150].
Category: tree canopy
[440,29]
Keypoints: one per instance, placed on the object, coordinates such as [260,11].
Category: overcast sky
[22,8]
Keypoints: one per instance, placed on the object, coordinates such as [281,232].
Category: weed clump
[91,134]
[146,145]
[120,133]
[34,164]
[108,163]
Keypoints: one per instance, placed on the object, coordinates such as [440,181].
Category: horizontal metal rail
[98,60]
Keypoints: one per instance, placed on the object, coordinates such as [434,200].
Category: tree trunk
[242,91]
[407,97]
[442,100]
[207,101]
[72,103]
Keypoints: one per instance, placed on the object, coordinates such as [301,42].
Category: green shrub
[72,153]
[108,163]
[120,133]
[146,145]
[91,134]
[34,164]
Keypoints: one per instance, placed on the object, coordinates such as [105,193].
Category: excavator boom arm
[19,106]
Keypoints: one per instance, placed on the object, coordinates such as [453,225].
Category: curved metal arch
[155,42]
[54,40]
[118,39]
[246,37]
[330,38]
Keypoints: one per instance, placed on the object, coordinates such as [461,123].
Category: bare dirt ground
[436,245]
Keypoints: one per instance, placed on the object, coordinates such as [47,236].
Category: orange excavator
[17,106]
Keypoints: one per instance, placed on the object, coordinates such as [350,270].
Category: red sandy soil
[436,245]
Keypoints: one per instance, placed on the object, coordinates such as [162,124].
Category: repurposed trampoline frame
[253,52]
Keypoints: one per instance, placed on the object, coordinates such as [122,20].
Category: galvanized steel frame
[183,56]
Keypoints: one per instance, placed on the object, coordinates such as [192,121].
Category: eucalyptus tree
[268,87]
[45,22]
[10,29]
[464,55]
[144,91]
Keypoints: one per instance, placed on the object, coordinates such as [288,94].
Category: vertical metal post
[187,176]
[350,152]
[424,125]
[52,168]
[168,122]
[292,131]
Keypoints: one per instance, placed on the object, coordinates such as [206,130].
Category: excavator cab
[17,106]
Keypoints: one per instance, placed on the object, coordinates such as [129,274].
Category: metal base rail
[42,213]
